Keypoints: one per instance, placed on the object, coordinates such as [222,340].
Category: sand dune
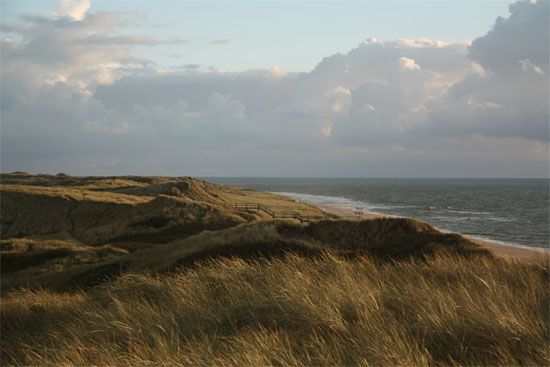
[498,248]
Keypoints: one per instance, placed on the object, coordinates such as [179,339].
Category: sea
[513,211]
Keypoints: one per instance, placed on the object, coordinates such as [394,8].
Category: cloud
[510,97]
[220,42]
[85,52]
[523,35]
[388,90]
[134,40]
[77,98]
[318,105]
[72,8]
[527,65]
[408,64]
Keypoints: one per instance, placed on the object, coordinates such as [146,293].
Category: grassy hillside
[293,310]
[156,271]
[384,239]
[93,220]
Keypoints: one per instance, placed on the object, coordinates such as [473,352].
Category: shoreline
[500,249]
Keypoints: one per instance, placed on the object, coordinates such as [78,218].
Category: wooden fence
[274,212]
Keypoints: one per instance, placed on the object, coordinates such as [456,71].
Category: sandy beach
[498,248]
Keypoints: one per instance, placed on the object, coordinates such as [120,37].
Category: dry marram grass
[328,310]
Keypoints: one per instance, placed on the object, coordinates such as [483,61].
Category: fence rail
[282,213]
[351,217]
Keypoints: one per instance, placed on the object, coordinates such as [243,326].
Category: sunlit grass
[327,310]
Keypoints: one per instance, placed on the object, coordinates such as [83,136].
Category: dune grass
[68,192]
[294,310]
[383,239]
[24,258]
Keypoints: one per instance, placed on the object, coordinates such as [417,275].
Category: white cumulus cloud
[75,9]
[408,64]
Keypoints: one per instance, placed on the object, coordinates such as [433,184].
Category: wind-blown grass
[384,239]
[294,310]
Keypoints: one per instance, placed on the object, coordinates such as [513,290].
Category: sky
[298,34]
[275,88]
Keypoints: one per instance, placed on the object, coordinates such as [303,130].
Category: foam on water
[337,201]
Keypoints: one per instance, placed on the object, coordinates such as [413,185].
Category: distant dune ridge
[96,212]
[159,270]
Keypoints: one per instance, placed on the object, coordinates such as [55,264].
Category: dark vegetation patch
[154,222]
[176,231]
[384,238]
[95,275]
[135,246]
[250,251]
[14,261]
